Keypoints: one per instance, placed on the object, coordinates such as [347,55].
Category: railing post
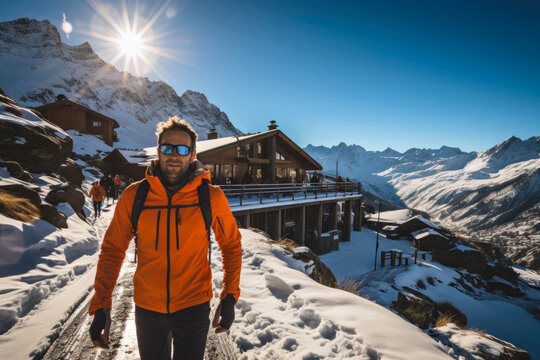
[278,192]
[327,190]
[260,193]
[293,188]
[241,194]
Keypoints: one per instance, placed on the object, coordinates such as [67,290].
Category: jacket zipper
[157,227]
[168,254]
[221,226]
[177,223]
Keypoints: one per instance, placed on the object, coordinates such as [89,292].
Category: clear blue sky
[375,73]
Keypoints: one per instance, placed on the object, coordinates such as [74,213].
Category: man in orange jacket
[172,283]
[96,194]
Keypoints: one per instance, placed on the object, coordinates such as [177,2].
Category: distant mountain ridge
[493,195]
[35,66]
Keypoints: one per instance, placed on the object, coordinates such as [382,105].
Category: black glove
[225,310]
[101,322]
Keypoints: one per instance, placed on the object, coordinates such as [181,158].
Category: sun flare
[131,44]
[129,37]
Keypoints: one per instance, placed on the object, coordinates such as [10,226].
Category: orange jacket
[97,193]
[173,272]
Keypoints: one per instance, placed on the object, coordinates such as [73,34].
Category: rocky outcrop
[71,172]
[17,171]
[479,346]
[46,212]
[320,272]
[415,307]
[69,194]
[420,310]
[476,262]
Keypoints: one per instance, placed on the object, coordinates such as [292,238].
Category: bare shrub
[431,281]
[420,283]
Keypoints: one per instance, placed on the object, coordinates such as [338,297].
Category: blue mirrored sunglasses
[182,150]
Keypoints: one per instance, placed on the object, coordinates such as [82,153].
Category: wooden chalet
[428,239]
[267,157]
[69,115]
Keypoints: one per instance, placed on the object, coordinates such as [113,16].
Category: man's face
[174,167]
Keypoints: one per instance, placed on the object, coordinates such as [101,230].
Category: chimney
[272,125]
[212,134]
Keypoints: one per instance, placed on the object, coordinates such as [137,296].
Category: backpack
[204,204]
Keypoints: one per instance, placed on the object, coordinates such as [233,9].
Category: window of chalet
[211,168]
[96,123]
[261,149]
[229,173]
[279,156]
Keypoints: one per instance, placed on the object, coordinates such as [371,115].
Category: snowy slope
[35,66]
[504,317]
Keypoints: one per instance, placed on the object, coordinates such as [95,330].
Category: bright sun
[131,44]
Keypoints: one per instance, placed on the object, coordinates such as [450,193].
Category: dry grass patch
[18,208]
[444,319]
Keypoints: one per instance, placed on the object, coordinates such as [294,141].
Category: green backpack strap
[140,198]
[206,210]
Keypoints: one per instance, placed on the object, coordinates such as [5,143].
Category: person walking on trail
[173,280]
[96,194]
[107,183]
[117,185]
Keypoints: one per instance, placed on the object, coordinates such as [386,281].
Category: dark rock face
[420,310]
[72,172]
[321,273]
[50,214]
[41,150]
[69,194]
[415,307]
[476,262]
[17,171]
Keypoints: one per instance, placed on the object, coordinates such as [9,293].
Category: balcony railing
[244,194]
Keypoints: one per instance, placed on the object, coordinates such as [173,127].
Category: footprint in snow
[327,329]
[310,318]
[279,288]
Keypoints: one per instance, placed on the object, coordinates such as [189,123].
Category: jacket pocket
[157,227]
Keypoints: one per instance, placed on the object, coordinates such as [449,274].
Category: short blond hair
[175,123]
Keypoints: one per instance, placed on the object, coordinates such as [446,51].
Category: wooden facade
[72,116]
[268,157]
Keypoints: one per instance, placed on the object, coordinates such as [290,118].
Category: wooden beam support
[346,234]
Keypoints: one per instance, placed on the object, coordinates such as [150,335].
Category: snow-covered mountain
[35,67]
[492,195]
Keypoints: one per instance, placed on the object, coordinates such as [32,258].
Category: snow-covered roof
[420,234]
[427,222]
[207,145]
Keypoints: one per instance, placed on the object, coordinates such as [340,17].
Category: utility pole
[377,245]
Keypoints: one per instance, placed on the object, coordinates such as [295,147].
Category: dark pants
[188,328]
[97,208]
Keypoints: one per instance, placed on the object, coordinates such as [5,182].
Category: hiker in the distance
[96,194]
[117,185]
[107,183]
[173,280]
